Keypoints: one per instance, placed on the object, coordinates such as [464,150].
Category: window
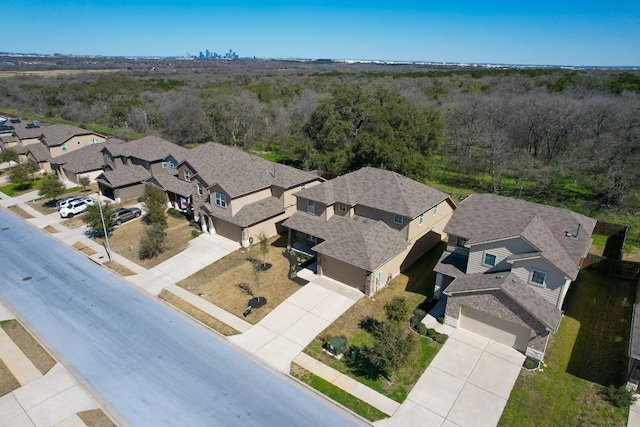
[124,160]
[187,175]
[435,210]
[310,238]
[64,146]
[221,200]
[302,186]
[538,277]
[164,164]
[398,219]
[343,207]
[168,164]
[488,260]
[199,188]
[461,242]
[109,157]
[421,219]
[311,207]
[95,141]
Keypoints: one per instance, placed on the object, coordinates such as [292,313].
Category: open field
[218,283]
[586,355]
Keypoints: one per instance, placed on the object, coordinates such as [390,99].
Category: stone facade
[497,304]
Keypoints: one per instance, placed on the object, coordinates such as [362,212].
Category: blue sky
[543,32]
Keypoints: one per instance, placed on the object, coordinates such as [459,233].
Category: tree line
[545,134]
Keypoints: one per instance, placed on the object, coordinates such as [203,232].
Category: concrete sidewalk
[47,400]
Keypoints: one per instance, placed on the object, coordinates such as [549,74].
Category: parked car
[75,207]
[65,201]
[121,215]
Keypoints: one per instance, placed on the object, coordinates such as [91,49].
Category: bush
[414,321]
[422,329]
[419,313]
[175,213]
[196,233]
[440,320]
[431,332]
[620,396]
[440,338]
[152,244]
[397,309]
[531,364]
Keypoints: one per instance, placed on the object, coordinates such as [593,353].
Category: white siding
[501,249]
[554,280]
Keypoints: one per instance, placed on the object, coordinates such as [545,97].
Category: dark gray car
[121,215]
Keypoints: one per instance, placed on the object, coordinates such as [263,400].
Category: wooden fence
[612,267]
[616,238]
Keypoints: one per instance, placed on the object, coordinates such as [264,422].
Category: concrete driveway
[467,384]
[282,334]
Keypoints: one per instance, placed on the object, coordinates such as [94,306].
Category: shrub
[620,396]
[196,233]
[175,213]
[431,332]
[419,313]
[440,338]
[152,243]
[531,364]
[414,321]
[440,320]
[422,329]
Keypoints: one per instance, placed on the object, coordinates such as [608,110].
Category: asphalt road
[153,366]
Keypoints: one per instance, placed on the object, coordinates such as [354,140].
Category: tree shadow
[368,324]
[359,364]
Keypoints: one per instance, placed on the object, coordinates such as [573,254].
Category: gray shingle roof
[359,241]
[451,264]
[171,183]
[38,152]
[57,134]
[240,173]
[513,287]
[149,148]
[124,175]
[251,213]
[379,189]
[84,159]
[489,217]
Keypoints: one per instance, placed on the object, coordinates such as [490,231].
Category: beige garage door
[228,230]
[493,328]
[343,272]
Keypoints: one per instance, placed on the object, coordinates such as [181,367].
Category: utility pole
[104,227]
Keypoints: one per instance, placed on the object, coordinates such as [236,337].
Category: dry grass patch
[125,240]
[119,268]
[218,283]
[73,222]
[21,212]
[197,314]
[8,382]
[95,418]
[29,346]
[50,229]
[84,249]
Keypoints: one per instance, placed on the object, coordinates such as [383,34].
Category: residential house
[508,266]
[86,162]
[60,139]
[130,166]
[239,195]
[367,226]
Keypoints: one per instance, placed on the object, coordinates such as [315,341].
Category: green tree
[391,347]
[84,182]
[152,243]
[397,309]
[22,173]
[93,218]
[52,187]
[155,201]
[8,155]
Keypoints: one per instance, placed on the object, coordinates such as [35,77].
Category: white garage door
[493,328]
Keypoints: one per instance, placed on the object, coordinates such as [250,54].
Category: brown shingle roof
[38,152]
[124,175]
[57,134]
[171,183]
[251,213]
[513,287]
[84,159]
[379,189]
[240,173]
[358,241]
[489,217]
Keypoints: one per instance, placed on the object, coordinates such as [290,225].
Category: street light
[104,227]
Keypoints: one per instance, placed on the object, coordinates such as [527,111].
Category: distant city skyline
[586,33]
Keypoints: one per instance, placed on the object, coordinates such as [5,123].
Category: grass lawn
[8,382]
[342,397]
[125,240]
[84,249]
[416,286]
[218,282]
[95,418]
[14,189]
[119,268]
[29,346]
[586,355]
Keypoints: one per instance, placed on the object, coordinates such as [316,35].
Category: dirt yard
[218,283]
[125,240]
